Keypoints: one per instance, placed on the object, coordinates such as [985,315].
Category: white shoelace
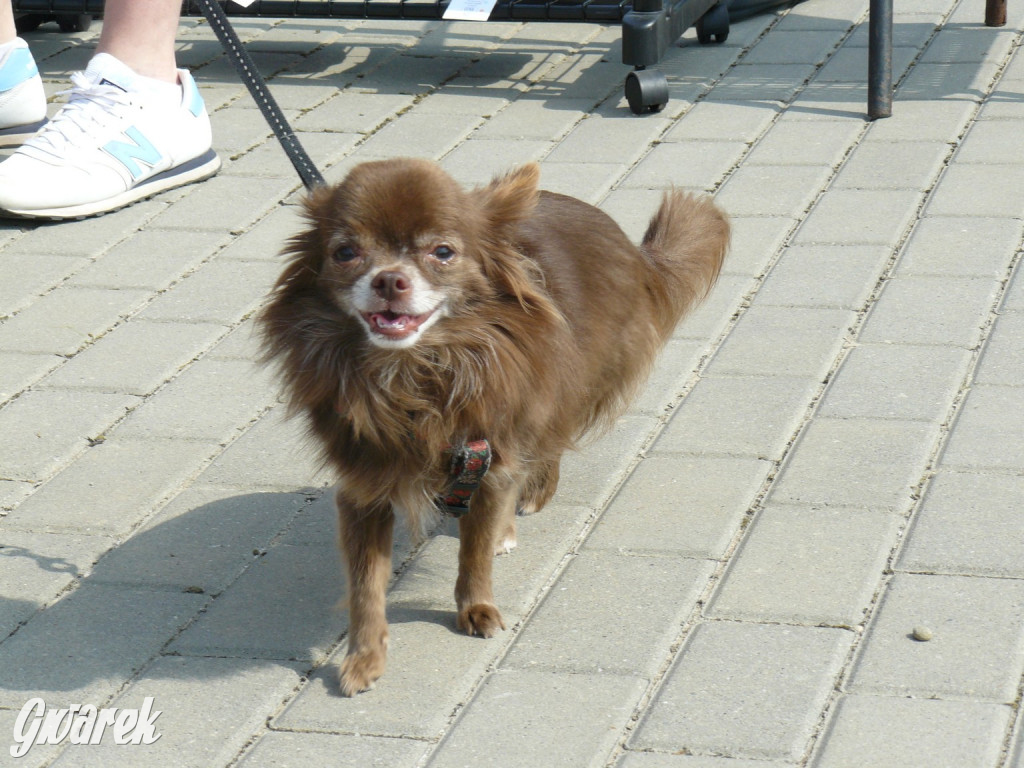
[85,120]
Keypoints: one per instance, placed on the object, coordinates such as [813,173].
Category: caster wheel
[74,22]
[646,91]
[713,25]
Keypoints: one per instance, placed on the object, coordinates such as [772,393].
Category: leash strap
[218,20]
[470,463]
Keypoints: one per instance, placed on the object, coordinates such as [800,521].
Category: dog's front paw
[481,619]
[360,670]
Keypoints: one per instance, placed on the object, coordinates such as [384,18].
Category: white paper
[469,10]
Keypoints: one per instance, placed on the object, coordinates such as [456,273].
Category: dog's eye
[443,253]
[345,253]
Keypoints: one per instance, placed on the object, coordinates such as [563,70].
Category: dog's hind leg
[482,531]
[366,543]
[540,487]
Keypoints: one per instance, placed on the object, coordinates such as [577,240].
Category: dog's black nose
[391,285]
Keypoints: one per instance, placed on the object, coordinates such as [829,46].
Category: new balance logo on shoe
[142,150]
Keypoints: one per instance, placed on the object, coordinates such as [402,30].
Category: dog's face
[400,246]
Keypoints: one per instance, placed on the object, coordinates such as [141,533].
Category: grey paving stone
[477,161]
[723,121]
[603,140]
[210,400]
[906,732]
[269,161]
[955,43]
[924,120]
[219,292]
[815,566]
[766,190]
[19,287]
[978,190]
[1003,358]
[136,357]
[1013,299]
[232,693]
[88,237]
[860,217]
[931,310]
[153,259]
[274,453]
[45,429]
[960,246]
[885,165]
[284,606]
[797,142]
[986,142]
[975,652]
[848,65]
[672,372]
[66,318]
[420,135]
[531,118]
[840,276]
[896,381]
[856,462]
[723,696]
[764,82]
[114,485]
[783,341]
[660,760]
[204,538]
[968,524]
[283,749]
[589,182]
[591,475]
[37,567]
[610,613]
[755,242]
[941,80]
[691,164]
[746,416]
[801,46]
[19,370]
[266,238]
[583,716]
[469,96]
[689,506]
[226,203]
[989,431]
[711,319]
[92,662]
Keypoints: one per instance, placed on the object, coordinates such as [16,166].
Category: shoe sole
[19,134]
[189,172]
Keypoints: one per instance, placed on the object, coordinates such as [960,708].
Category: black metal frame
[649,27]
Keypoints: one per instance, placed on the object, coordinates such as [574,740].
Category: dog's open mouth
[394,325]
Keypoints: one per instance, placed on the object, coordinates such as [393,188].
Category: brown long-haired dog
[414,316]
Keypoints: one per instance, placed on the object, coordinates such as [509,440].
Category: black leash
[218,20]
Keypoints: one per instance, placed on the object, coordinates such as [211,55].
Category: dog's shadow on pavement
[240,576]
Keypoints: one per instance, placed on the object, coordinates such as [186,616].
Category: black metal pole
[880,59]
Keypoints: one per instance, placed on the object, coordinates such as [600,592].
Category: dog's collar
[470,462]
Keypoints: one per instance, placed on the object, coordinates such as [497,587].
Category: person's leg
[141,35]
[7,29]
[22,99]
[134,125]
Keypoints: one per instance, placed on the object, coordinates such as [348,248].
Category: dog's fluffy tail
[686,240]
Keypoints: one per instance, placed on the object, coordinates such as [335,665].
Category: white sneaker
[22,100]
[112,144]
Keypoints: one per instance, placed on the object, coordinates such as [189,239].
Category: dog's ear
[511,197]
